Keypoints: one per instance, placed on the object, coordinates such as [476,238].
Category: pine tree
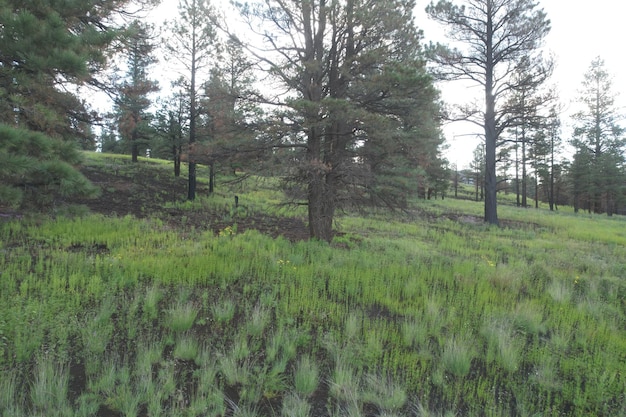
[171,127]
[192,43]
[498,35]
[230,113]
[47,49]
[359,109]
[598,167]
[132,102]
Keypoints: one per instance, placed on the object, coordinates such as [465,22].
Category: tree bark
[191,189]
[134,150]
[321,209]
[491,182]
[176,163]
[211,177]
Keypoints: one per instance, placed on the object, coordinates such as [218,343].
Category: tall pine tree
[132,101]
[192,44]
[355,105]
[495,37]
[598,166]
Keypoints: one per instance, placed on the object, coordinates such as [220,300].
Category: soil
[145,193]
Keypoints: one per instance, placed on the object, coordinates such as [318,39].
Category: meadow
[423,313]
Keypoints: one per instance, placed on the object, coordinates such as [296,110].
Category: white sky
[581,31]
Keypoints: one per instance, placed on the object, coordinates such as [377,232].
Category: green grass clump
[181,317]
[306,377]
[186,349]
[295,406]
[456,357]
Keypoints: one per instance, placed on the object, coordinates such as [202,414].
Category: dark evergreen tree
[547,144]
[133,101]
[171,128]
[47,49]
[191,41]
[597,169]
[231,114]
[497,36]
[356,105]
[524,106]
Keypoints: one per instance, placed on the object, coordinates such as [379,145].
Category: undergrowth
[414,314]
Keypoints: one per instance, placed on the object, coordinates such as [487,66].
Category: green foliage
[597,171]
[49,50]
[491,38]
[364,126]
[294,406]
[186,349]
[181,317]
[37,167]
[133,90]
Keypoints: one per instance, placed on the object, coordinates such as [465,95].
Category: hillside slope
[149,189]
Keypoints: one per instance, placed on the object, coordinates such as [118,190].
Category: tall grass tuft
[456,357]
[223,310]
[11,401]
[502,345]
[186,348]
[560,291]
[50,386]
[306,377]
[295,406]
[414,332]
[181,317]
[528,319]
[151,302]
[384,392]
[257,321]
[345,383]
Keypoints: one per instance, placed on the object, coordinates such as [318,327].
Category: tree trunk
[134,149]
[211,176]
[191,190]
[551,196]
[491,182]
[321,198]
[517,191]
[491,136]
[321,209]
[176,151]
[524,174]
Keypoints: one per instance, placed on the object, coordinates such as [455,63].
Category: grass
[456,357]
[181,317]
[186,349]
[295,406]
[420,313]
[306,377]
